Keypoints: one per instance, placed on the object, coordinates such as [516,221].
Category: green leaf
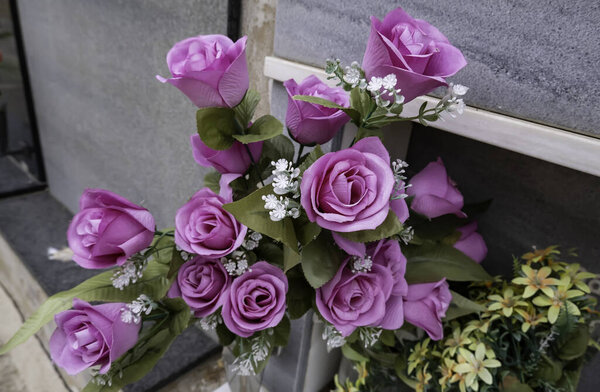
[461,306]
[361,101]
[211,180]
[226,337]
[250,211]
[300,295]
[367,132]
[352,354]
[388,338]
[400,368]
[432,262]
[390,226]
[321,260]
[290,259]
[548,369]
[266,127]
[278,147]
[98,288]
[176,262]
[244,111]
[269,251]
[281,332]
[575,344]
[512,384]
[216,127]
[306,231]
[311,158]
[352,113]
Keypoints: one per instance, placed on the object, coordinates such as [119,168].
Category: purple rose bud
[233,160]
[108,229]
[203,284]
[210,69]
[471,243]
[372,297]
[203,227]
[89,335]
[310,123]
[435,194]
[416,52]
[256,300]
[349,190]
[426,304]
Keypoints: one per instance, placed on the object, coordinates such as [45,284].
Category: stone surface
[105,121]
[528,59]
[32,223]
[13,177]
[27,368]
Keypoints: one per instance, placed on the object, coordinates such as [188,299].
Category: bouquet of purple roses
[278,231]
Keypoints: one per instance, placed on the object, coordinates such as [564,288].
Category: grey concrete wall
[536,60]
[104,120]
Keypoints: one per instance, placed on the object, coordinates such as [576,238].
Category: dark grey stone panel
[104,120]
[36,221]
[536,60]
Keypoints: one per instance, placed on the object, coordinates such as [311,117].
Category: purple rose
[471,243]
[369,298]
[203,284]
[435,194]
[416,52]
[256,300]
[349,190]
[210,69]
[425,305]
[89,335]
[108,229]
[310,123]
[203,227]
[233,160]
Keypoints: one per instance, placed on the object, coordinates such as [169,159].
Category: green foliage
[278,147]
[354,115]
[244,111]
[290,258]
[226,337]
[211,180]
[574,344]
[352,354]
[306,231]
[311,158]
[300,294]
[281,333]
[432,262]
[390,227]
[266,127]
[461,306]
[216,127]
[250,212]
[321,260]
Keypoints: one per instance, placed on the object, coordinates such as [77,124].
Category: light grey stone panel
[104,120]
[536,60]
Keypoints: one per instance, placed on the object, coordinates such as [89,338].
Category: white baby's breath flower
[389,82]
[278,213]
[270,201]
[375,84]
[459,90]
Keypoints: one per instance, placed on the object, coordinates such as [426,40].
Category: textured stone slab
[32,223]
[13,178]
[528,59]
[104,120]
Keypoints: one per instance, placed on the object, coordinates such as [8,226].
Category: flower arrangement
[531,333]
[277,231]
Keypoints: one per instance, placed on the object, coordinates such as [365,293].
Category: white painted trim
[554,145]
